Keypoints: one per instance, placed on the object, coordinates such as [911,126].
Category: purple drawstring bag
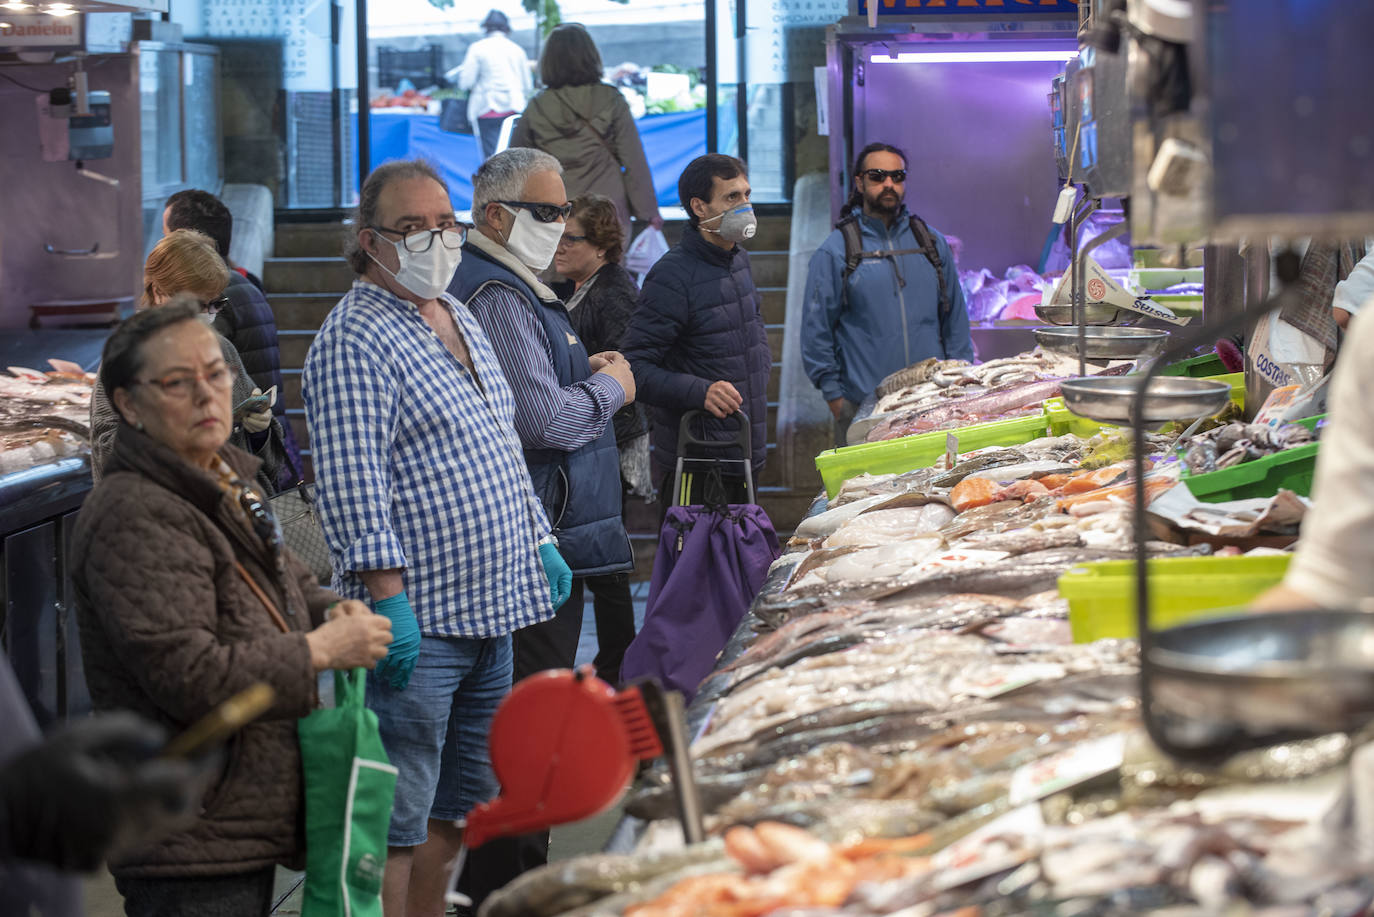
[710,565]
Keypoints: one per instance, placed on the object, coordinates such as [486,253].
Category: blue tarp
[670,142]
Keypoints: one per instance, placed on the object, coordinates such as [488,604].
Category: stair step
[302,311]
[309,240]
[774,304]
[769,269]
[325,276]
[294,344]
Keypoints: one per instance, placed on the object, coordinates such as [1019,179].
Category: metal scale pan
[1107,399]
[1094,314]
[1110,343]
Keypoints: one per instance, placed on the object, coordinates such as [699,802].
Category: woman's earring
[138,425]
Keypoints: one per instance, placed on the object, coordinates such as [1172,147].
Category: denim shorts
[435,731]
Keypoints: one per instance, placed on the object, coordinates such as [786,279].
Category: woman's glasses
[417,241]
[182,385]
[571,240]
[544,213]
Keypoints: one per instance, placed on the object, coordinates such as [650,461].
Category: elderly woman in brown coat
[185,596]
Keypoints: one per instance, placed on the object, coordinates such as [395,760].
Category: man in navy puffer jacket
[697,338]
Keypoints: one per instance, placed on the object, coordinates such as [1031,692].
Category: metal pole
[1181,346]
[364,96]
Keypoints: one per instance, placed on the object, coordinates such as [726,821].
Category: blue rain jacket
[849,347]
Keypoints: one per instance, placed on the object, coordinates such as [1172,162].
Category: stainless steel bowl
[1095,314]
[1108,399]
[1224,684]
[1104,343]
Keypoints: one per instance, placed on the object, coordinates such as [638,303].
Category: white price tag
[995,682]
[1003,843]
[1066,769]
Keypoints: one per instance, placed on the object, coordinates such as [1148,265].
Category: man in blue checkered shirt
[429,513]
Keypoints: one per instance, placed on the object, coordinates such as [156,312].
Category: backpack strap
[854,254]
[926,240]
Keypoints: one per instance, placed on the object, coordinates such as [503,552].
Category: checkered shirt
[417,468]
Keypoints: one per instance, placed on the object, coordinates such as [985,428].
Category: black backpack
[854,253]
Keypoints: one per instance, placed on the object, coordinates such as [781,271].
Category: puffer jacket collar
[137,452]
[695,244]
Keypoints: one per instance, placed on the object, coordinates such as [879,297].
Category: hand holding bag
[349,787]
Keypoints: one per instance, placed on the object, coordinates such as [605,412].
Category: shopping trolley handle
[742,437]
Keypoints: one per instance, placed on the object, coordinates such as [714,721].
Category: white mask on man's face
[426,274]
[533,242]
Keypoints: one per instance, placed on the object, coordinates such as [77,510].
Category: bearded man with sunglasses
[882,292]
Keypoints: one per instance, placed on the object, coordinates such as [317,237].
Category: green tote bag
[349,787]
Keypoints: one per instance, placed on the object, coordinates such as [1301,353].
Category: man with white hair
[564,398]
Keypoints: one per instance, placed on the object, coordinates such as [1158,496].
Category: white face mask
[533,242]
[426,274]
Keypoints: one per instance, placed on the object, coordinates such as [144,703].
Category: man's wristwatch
[549,539]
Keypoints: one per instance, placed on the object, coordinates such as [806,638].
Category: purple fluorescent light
[972,57]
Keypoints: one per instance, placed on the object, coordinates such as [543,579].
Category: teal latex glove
[557,573]
[399,661]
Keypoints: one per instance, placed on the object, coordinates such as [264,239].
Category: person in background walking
[599,296]
[587,126]
[496,74]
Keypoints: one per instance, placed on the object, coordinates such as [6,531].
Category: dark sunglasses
[878,176]
[217,304]
[544,213]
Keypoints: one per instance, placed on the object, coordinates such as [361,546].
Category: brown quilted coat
[170,629]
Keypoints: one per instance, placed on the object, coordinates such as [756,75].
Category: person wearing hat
[496,74]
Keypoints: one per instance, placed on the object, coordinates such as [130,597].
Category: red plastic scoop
[564,745]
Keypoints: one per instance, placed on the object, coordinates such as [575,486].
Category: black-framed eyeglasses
[417,241]
[878,176]
[544,213]
[181,385]
[214,306]
[571,240]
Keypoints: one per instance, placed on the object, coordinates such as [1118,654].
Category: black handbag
[295,509]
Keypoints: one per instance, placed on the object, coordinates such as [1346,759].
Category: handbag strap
[262,597]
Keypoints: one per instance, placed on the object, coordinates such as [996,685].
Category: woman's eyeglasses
[878,176]
[181,386]
[544,213]
[417,241]
[571,240]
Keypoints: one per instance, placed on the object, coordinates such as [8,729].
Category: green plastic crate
[1292,469]
[908,453]
[1102,595]
[1209,364]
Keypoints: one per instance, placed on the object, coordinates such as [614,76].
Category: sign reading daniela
[40,30]
[1008,8]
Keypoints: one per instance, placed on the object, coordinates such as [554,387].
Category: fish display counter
[932,707]
[45,474]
